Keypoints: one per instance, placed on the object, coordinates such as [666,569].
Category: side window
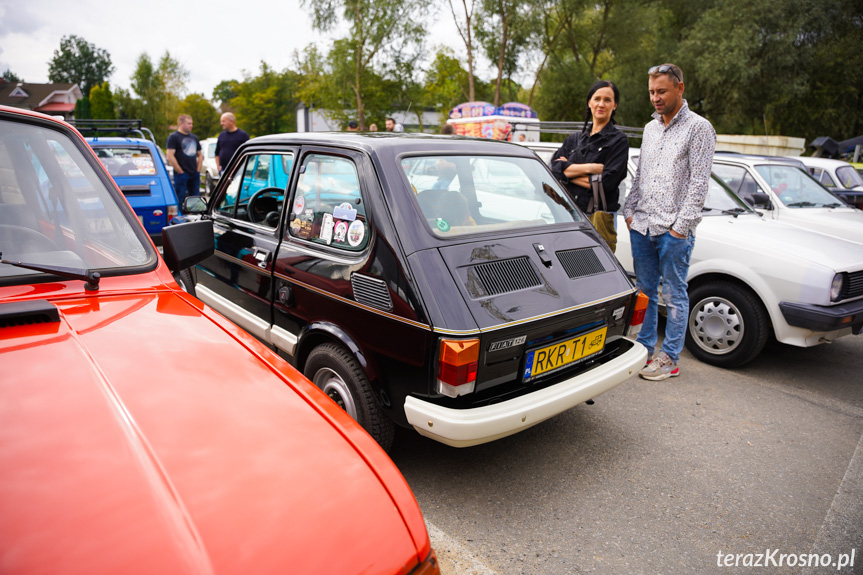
[731,175]
[258,194]
[748,187]
[827,180]
[328,206]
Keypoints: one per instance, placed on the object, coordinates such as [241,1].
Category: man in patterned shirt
[662,210]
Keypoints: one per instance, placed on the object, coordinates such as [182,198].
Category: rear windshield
[471,194]
[126,161]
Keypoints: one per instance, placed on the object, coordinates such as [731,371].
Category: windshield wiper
[732,212]
[91,277]
[834,205]
[801,205]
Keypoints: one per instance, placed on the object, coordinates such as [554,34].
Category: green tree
[266,103]
[79,62]
[447,83]
[128,107]
[203,113]
[325,83]
[504,28]
[161,90]
[102,102]
[10,76]
[377,30]
[587,41]
[225,91]
[778,66]
[82,109]
[150,91]
[464,25]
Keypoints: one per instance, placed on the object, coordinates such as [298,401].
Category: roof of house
[38,97]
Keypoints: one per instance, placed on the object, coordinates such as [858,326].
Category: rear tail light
[457,365]
[641,302]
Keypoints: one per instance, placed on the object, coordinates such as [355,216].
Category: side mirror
[185,245]
[194,205]
[761,200]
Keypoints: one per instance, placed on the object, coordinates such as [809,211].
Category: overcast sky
[212,42]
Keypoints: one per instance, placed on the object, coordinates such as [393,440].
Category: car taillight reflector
[641,302]
[457,366]
[172,211]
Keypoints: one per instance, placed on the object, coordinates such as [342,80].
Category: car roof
[113,141]
[822,162]
[752,158]
[395,143]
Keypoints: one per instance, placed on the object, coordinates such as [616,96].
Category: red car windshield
[55,211]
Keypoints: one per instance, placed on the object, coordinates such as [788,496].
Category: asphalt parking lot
[662,477]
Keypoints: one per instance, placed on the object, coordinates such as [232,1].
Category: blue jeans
[186,184]
[663,257]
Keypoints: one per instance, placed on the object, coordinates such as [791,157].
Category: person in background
[373,128]
[184,155]
[393,126]
[599,148]
[228,141]
[662,210]
[353,126]
[448,129]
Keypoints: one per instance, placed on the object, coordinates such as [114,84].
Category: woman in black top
[599,148]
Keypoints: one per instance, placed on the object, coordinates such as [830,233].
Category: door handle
[262,257]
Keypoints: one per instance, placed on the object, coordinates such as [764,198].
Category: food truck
[512,121]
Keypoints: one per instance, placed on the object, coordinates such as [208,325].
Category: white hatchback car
[838,176]
[751,276]
[781,190]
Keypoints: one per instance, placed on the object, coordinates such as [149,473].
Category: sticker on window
[344,211]
[356,233]
[299,204]
[341,231]
[327,228]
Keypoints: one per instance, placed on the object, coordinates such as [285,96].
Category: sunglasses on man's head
[664,69]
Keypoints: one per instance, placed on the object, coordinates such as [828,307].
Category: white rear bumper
[466,427]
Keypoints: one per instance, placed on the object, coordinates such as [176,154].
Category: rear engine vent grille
[27,313]
[135,190]
[853,285]
[580,263]
[371,292]
[505,276]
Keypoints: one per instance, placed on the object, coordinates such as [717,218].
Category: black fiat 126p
[440,283]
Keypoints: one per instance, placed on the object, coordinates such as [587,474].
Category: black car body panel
[322,244]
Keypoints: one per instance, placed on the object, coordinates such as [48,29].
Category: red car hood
[126,448]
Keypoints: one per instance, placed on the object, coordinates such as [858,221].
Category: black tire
[337,373]
[208,186]
[186,281]
[728,326]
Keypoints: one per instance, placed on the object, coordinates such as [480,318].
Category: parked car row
[839,177]
[142,431]
[776,255]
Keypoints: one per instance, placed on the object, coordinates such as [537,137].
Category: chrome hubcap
[716,325]
[335,387]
